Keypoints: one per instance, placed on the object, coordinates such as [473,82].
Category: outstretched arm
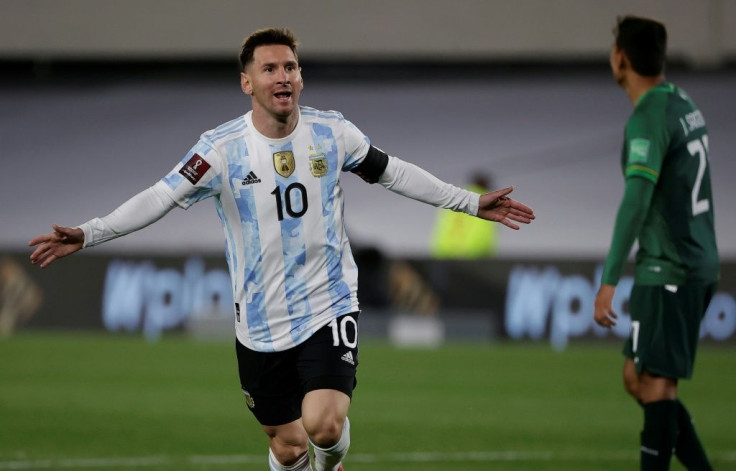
[143,209]
[409,180]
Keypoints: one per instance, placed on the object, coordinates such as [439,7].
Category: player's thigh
[323,415]
[645,387]
[328,403]
[271,385]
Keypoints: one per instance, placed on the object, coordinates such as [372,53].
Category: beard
[619,74]
[620,80]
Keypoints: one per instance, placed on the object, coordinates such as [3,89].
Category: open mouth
[282,95]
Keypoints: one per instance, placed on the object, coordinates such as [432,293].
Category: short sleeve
[198,176]
[356,146]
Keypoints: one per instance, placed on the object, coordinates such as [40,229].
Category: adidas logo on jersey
[348,357]
[250,179]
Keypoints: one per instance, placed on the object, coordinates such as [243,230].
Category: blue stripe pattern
[253,280]
[339,291]
[294,252]
[222,131]
[311,112]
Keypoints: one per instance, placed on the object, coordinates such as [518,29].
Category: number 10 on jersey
[294,195]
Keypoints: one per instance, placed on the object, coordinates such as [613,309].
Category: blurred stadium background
[122,357]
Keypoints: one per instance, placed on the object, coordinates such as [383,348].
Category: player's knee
[656,388]
[324,433]
[631,385]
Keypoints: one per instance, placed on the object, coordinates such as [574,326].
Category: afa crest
[283,163]
[249,399]
[318,166]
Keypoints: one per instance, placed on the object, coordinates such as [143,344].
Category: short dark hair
[266,37]
[645,43]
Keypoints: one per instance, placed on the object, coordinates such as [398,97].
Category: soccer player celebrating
[274,173]
[667,205]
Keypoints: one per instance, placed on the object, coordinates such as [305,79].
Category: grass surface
[111,402]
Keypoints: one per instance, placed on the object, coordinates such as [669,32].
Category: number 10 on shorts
[340,331]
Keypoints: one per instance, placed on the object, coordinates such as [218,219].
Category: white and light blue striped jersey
[281,207]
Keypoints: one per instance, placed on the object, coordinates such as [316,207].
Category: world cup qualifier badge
[194,169]
[249,399]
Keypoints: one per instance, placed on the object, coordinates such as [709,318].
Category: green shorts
[665,327]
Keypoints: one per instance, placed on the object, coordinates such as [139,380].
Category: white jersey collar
[282,140]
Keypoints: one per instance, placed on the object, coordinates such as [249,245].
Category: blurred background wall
[101,98]
[705,32]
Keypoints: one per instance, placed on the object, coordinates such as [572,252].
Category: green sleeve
[629,220]
[647,138]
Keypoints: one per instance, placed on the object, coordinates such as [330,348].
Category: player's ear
[245,84]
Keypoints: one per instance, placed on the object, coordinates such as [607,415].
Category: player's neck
[637,85]
[274,127]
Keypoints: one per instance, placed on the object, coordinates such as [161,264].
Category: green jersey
[666,142]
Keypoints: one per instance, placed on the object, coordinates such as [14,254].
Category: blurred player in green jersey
[668,206]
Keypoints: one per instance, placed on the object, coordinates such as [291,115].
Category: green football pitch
[118,403]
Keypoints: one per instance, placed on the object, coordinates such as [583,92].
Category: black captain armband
[372,167]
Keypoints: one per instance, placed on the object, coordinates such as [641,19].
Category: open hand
[60,243]
[496,206]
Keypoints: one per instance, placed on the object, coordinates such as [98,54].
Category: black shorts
[274,383]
